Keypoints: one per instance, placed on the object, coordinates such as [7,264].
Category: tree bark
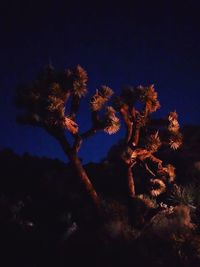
[128,123]
[136,136]
[131,184]
[77,165]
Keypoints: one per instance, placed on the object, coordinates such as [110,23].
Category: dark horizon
[132,44]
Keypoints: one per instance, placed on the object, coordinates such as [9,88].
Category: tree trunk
[131,184]
[77,165]
[136,136]
[128,123]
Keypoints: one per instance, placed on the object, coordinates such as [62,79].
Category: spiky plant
[142,139]
[100,98]
[44,103]
[112,121]
[186,195]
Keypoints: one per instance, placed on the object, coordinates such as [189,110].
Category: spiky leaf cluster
[188,195]
[79,78]
[100,98]
[154,142]
[44,100]
[109,122]
[167,172]
[149,97]
[112,121]
[158,187]
[145,95]
[175,138]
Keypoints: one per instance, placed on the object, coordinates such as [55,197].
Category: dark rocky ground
[47,220]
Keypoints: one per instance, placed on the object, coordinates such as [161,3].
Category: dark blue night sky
[134,44]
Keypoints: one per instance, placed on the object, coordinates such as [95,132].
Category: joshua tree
[44,103]
[143,138]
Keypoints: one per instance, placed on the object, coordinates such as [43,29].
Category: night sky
[118,44]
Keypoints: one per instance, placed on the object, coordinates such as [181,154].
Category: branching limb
[78,139]
[77,165]
[156,160]
[74,106]
[128,122]
[131,184]
[136,136]
[96,126]
[149,170]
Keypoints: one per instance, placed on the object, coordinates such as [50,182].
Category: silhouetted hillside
[47,220]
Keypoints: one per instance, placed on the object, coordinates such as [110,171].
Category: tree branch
[77,165]
[75,104]
[131,184]
[129,124]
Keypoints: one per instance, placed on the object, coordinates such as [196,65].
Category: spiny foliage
[145,95]
[109,122]
[52,101]
[44,100]
[175,139]
[186,195]
[153,142]
[79,79]
[112,121]
[100,98]
[143,139]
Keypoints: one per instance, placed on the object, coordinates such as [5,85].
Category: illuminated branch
[108,122]
[149,170]
[44,102]
[78,88]
[141,152]
[131,184]
[128,122]
[77,165]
